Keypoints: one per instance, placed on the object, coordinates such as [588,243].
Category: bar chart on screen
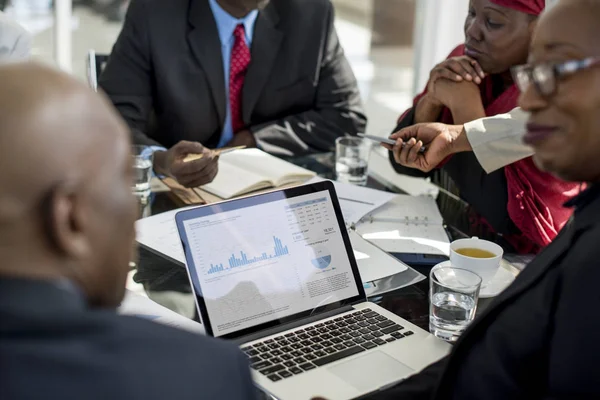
[279,250]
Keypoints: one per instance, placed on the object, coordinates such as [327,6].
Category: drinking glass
[142,168]
[352,160]
[454,293]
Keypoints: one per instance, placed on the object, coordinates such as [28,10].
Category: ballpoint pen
[218,152]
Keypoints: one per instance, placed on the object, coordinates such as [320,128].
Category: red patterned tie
[240,58]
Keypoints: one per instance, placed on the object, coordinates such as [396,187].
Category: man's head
[241,8]
[564,127]
[66,209]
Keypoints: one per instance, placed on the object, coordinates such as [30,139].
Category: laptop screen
[269,259]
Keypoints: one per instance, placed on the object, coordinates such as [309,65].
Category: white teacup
[487,267]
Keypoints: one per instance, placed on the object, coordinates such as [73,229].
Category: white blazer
[498,141]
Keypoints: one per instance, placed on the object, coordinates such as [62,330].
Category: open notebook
[407,224]
[249,170]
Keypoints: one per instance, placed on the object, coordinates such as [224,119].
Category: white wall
[438,30]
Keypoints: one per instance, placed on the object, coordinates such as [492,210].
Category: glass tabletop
[160,276]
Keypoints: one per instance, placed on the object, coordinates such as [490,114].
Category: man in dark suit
[66,239]
[260,73]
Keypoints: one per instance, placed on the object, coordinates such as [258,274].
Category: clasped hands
[452,84]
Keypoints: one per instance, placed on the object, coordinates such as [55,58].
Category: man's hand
[189,174]
[441,141]
[242,138]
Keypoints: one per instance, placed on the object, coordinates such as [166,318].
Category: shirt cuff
[497,141]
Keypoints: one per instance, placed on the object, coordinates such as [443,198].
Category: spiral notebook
[407,224]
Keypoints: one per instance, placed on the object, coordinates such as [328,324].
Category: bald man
[66,239]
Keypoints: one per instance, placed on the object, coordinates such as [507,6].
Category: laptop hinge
[292,325]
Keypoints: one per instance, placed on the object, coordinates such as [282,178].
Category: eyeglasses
[546,76]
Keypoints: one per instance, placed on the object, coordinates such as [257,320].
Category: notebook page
[400,238]
[234,179]
[267,166]
[414,209]
[407,224]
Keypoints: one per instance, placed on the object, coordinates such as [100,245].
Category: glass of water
[352,160]
[142,168]
[454,293]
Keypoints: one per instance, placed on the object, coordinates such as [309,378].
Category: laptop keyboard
[318,345]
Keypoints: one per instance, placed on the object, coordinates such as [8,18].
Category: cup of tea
[476,255]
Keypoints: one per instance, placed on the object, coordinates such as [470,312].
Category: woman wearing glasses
[518,206]
[538,339]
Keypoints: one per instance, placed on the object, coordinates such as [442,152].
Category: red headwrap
[533,7]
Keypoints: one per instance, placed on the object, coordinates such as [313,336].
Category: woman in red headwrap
[520,207]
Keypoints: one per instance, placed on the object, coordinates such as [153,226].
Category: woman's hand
[461,69]
[458,69]
[462,98]
[441,141]
[451,93]
[455,69]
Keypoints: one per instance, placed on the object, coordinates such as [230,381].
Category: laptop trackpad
[371,371]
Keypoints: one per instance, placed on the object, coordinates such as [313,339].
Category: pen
[391,142]
[194,157]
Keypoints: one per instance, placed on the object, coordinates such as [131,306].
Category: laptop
[276,274]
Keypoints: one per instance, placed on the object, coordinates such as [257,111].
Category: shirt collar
[226,23]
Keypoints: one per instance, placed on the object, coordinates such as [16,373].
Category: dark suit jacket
[539,338]
[52,346]
[165,76]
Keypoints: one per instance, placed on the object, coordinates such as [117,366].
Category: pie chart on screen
[322,257]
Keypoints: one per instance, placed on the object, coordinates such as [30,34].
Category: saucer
[495,286]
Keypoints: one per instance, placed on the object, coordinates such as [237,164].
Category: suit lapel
[265,45]
[204,41]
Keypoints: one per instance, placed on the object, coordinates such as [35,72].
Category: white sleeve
[498,141]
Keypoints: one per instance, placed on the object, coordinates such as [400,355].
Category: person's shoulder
[138,8]
[580,264]
[295,9]
[321,4]
[112,355]
[137,334]
[585,246]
